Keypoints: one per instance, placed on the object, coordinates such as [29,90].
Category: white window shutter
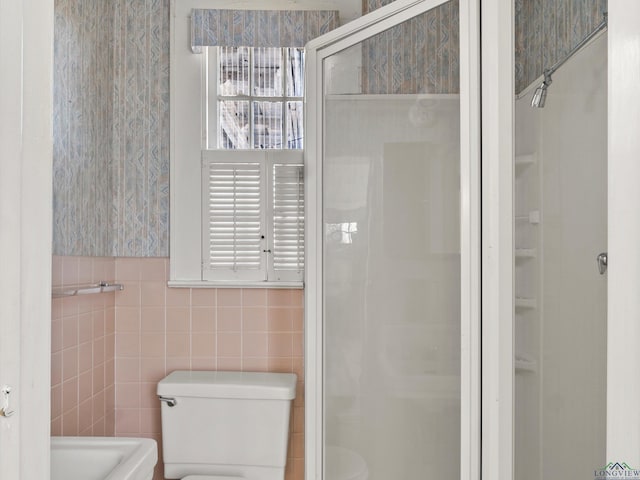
[253,216]
[234,207]
[286,262]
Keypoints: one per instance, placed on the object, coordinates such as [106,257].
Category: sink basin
[102,458]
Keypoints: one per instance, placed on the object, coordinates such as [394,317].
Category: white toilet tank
[232,424]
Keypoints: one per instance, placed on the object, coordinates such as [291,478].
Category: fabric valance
[258,28]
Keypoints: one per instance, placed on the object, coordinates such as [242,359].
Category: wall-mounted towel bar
[100,287]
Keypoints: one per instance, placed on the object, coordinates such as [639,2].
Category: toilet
[225,425]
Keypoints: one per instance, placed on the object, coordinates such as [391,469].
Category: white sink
[102,458]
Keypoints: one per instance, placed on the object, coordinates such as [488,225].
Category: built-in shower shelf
[525,160]
[525,365]
[533,217]
[525,303]
[525,253]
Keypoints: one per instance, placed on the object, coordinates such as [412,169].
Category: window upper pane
[294,125]
[234,71]
[254,100]
[267,125]
[234,124]
[267,72]
[295,72]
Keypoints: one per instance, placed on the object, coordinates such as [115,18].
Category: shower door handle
[602,262]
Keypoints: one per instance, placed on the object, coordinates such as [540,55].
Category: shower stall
[386,184]
[394,242]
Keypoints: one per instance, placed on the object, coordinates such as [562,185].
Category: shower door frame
[470,246]
[497,140]
[623,232]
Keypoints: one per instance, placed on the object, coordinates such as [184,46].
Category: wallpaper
[140,168]
[82,119]
[419,56]
[111,94]
[111,128]
[111,103]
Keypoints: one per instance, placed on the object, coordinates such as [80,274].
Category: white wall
[570,135]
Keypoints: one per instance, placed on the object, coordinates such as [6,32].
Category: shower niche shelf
[523,253]
[525,160]
[527,219]
[524,303]
[533,217]
[525,364]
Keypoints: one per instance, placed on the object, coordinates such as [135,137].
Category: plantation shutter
[234,205]
[253,216]
[287,259]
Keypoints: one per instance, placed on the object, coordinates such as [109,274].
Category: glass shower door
[391,250]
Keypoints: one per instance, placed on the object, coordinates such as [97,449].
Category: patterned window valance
[258,28]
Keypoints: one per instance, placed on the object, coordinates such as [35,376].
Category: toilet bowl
[344,464]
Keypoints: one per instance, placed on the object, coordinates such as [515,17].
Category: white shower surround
[560,404]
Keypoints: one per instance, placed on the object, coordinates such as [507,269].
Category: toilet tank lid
[248,385]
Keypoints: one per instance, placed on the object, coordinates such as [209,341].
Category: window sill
[232,284]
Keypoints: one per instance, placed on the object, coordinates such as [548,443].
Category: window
[258,98]
[236,119]
[252,181]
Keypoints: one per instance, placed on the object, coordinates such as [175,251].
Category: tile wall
[110,350]
[160,329]
[82,350]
